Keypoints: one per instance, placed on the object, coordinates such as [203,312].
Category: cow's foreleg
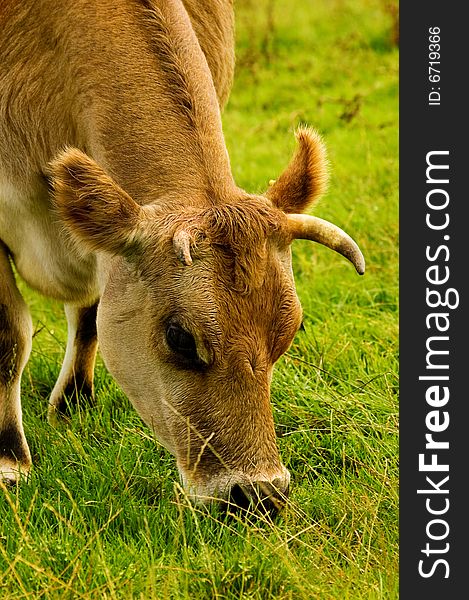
[75,381]
[15,346]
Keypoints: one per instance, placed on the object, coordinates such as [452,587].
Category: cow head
[198,303]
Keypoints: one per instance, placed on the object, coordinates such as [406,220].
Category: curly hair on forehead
[241,224]
[240,231]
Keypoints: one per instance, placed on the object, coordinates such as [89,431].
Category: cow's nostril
[239,498]
[263,497]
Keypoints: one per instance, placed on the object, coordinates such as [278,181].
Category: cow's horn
[307,227]
[182,247]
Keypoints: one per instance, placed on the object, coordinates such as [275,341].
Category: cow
[117,198]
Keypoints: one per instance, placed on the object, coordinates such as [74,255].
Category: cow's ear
[95,210]
[305,178]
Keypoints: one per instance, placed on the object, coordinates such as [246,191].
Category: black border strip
[433,523]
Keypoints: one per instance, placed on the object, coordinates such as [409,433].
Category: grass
[102,515]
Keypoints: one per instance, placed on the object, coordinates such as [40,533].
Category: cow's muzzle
[240,493]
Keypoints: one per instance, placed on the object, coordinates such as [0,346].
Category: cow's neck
[152,114]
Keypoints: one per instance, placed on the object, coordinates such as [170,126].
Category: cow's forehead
[205,296]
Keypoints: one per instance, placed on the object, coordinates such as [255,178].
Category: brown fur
[115,106]
[305,179]
[241,231]
[96,210]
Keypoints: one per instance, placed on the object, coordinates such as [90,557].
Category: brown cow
[117,198]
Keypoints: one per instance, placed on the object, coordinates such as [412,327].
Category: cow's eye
[181,341]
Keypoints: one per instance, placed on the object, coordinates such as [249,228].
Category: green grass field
[102,515]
